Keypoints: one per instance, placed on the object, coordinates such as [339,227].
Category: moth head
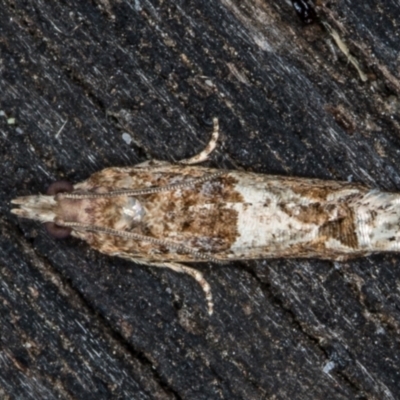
[66,210]
[45,208]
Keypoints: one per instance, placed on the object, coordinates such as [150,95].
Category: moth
[170,215]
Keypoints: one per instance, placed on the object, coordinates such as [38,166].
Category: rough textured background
[78,75]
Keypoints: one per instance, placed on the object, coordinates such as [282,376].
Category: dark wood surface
[75,324]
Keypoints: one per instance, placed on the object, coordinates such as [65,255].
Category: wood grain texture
[78,325]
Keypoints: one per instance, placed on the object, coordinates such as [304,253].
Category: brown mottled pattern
[314,213]
[318,190]
[138,178]
[336,221]
[199,217]
[342,229]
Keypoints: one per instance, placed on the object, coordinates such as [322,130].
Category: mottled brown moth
[168,215]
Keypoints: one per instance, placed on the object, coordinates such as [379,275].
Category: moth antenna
[143,191]
[138,237]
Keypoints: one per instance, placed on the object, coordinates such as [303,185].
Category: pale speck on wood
[61,129]
[328,367]
[126,137]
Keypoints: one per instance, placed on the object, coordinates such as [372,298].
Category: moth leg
[196,159]
[197,275]
[203,155]
[194,273]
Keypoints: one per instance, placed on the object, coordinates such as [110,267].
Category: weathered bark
[77,325]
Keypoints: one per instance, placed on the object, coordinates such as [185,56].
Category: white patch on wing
[263,224]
